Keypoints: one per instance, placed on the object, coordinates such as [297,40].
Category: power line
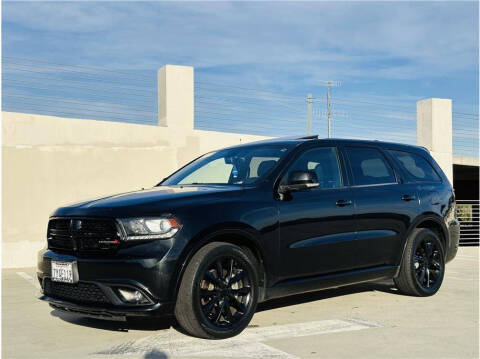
[249,113]
[90,110]
[76,114]
[78,80]
[241,88]
[75,66]
[80,88]
[86,103]
[90,92]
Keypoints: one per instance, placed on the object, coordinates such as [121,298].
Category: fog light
[132,296]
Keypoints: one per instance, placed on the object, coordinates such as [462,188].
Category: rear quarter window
[417,167]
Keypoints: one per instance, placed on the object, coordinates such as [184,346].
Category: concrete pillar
[175,97]
[434,131]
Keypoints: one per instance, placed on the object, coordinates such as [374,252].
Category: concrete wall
[50,161]
[434,131]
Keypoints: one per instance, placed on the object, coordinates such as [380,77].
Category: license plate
[62,272]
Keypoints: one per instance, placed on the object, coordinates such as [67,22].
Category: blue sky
[382,52]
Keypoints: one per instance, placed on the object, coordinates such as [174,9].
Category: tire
[423,264]
[213,307]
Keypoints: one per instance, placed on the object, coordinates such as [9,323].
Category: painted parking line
[249,344]
[463,279]
[467,259]
[29,279]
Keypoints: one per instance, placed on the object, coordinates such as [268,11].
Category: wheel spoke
[227,310]
[207,308]
[418,258]
[238,277]
[207,293]
[238,305]
[421,279]
[215,281]
[218,264]
[220,310]
[241,291]
[230,271]
[428,249]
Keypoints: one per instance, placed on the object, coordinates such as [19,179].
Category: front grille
[71,235]
[58,234]
[80,292]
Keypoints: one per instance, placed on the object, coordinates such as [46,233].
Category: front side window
[416,166]
[369,167]
[324,162]
[237,166]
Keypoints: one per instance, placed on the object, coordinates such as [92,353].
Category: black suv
[250,223]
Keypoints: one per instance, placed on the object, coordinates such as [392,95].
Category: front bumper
[153,277]
[109,313]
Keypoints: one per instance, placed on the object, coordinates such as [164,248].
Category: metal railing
[468,215]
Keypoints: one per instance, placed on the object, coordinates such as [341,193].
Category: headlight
[150,228]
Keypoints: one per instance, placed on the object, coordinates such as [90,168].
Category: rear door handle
[408,198]
[343,203]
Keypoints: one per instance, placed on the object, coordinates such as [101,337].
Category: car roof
[297,140]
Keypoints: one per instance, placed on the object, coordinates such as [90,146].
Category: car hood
[150,198]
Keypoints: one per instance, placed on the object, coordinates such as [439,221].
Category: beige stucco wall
[51,161]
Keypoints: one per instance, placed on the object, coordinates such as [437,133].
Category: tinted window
[369,166]
[416,166]
[324,162]
[238,165]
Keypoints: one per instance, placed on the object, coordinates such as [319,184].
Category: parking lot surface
[370,320]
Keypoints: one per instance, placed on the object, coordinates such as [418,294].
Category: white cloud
[286,47]
[343,37]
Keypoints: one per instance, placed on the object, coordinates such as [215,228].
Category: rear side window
[369,167]
[416,166]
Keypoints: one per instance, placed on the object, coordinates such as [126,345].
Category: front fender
[233,232]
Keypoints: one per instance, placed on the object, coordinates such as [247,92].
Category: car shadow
[144,324]
[386,286]
[155,324]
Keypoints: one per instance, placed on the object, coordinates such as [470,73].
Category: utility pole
[329,112]
[329,85]
[309,113]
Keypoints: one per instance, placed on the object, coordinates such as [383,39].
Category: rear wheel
[218,293]
[423,265]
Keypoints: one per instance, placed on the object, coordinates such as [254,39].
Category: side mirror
[300,180]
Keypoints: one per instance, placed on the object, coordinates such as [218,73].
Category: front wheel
[218,293]
[423,264]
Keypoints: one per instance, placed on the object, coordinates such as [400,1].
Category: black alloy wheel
[219,291]
[423,265]
[224,292]
[427,262]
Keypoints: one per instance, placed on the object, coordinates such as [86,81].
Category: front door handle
[343,203]
[408,198]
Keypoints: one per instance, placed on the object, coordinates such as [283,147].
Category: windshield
[243,165]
